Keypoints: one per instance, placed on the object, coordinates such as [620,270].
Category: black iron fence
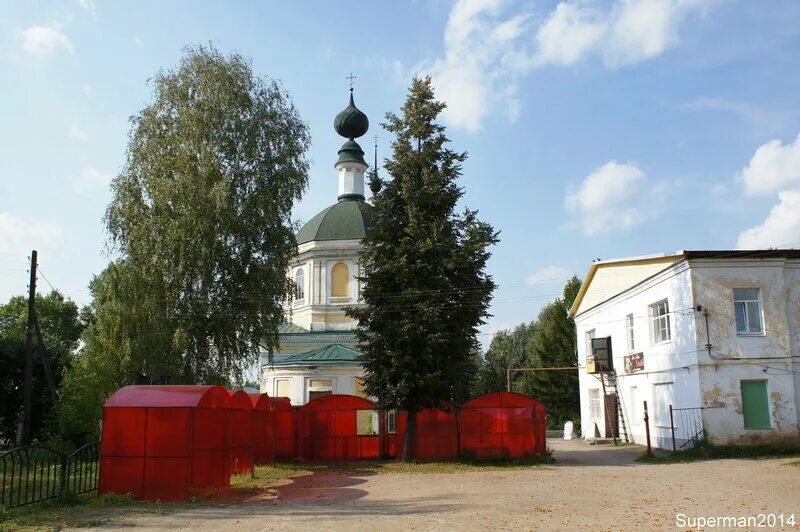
[35,473]
[688,424]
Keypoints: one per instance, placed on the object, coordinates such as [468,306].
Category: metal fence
[35,473]
[688,423]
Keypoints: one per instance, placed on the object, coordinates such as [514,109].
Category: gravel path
[591,487]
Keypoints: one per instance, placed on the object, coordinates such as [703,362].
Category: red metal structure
[263,429]
[285,421]
[330,428]
[160,441]
[240,425]
[502,424]
[436,436]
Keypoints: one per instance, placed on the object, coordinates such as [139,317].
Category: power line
[38,269]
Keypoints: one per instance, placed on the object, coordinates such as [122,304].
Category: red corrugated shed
[285,421]
[436,437]
[263,429]
[328,429]
[241,432]
[160,441]
[503,424]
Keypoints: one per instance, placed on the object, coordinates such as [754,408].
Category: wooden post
[672,427]
[24,437]
[647,429]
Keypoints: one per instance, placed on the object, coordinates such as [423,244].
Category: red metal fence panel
[502,424]
[263,429]
[240,425]
[436,437]
[285,421]
[160,441]
[329,429]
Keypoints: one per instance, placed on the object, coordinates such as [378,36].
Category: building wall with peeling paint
[681,372]
[772,356]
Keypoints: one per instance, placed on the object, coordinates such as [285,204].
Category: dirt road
[591,487]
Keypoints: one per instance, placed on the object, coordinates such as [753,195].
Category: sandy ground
[591,487]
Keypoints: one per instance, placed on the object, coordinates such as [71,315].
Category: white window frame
[591,333]
[301,286]
[757,301]
[391,422]
[657,319]
[330,388]
[631,337]
[595,403]
[275,385]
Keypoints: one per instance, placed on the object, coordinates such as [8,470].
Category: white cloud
[773,167]
[88,90]
[781,228]
[44,40]
[490,45]
[549,274]
[91,179]
[19,236]
[568,34]
[609,199]
[90,6]
[78,134]
[138,41]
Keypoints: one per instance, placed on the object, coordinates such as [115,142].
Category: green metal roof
[291,328]
[351,152]
[334,354]
[346,220]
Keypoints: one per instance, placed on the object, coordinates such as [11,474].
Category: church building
[317,346]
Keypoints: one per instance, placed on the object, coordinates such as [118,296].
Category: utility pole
[25,434]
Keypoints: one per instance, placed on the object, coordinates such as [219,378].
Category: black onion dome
[351,123]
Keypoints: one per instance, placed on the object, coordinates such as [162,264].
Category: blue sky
[595,129]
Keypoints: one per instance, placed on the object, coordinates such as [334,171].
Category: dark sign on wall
[634,363]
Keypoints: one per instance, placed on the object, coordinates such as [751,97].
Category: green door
[755,405]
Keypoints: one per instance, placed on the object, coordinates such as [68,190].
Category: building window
[595,410]
[629,323]
[319,388]
[299,283]
[282,388]
[755,404]
[589,335]
[747,307]
[340,281]
[391,422]
[659,314]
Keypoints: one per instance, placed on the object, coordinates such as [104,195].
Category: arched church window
[340,281]
[300,285]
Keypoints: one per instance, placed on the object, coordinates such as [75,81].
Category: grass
[707,451]
[79,512]
[90,510]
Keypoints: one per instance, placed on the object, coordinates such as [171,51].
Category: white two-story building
[713,334]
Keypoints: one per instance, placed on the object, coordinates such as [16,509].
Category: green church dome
[346,220]
[351,123]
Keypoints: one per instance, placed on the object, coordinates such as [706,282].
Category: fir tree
[426,291]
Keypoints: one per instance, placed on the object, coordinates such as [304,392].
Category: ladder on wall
[608,380]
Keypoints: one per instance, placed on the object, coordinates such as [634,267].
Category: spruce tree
[426,290]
